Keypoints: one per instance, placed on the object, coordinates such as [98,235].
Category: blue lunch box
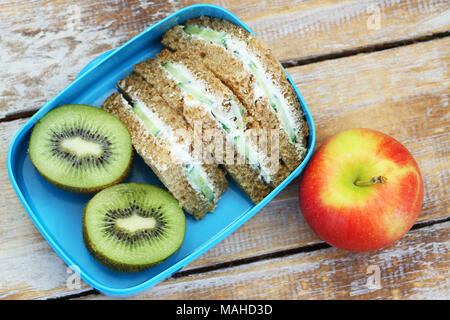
[58,214]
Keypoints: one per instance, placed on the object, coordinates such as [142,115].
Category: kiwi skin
[88,190]
[114,265]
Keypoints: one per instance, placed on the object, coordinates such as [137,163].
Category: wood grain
[416,267]
[402,92]
[44,47]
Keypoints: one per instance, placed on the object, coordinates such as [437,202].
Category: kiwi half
[132,226]
[81,148]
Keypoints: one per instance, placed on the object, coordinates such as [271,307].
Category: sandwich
[241,144]
[247,67]
[215,99]
[163,139]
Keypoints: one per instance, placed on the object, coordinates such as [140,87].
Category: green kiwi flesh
[132,226]
[81,148]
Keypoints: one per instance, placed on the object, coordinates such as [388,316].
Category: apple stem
[374,180]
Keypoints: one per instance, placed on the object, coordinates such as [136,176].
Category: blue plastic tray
[58,214]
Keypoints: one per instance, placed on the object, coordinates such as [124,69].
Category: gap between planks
[364,49]
[239,262]
[302,61]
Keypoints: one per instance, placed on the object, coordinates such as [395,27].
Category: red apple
[361,191]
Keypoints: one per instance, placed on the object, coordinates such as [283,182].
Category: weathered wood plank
[45,46]
[403,86]
[417,267]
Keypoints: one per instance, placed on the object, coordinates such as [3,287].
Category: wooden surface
[376,64]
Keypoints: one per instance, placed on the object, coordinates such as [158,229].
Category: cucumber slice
[224,127]
[175,73]
[243,148]
[195,176]
[186,85]
[183,83]
[275,102]
[197,95]
[144,115]
[207,34]
[237,111]
[261,82]
[285,119]
[191,29]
